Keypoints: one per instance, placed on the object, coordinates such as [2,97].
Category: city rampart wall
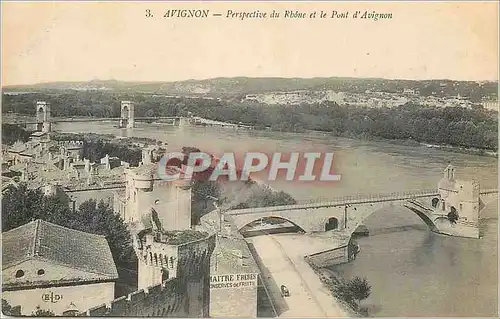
[186,295]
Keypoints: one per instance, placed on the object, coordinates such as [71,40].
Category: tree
[12,133]
[264,197]
[21,205]
[200,201]
[352,291]
[360,288]
[453,215]
[8,310]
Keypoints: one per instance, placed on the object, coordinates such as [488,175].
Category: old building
[56,268]
[234,274]
[173,259]
[174,270]
[146,191]
[459,204]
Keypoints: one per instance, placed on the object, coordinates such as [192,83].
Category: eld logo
[52,297]
[293,166]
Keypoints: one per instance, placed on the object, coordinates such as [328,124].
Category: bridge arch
[332,223]
[42,109]
[125,111]
[273,217]
[370,210]
[127,114]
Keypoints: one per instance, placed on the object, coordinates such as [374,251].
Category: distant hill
[245,85]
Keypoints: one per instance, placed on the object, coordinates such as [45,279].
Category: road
[308,298]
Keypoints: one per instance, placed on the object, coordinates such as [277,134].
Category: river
[412,272]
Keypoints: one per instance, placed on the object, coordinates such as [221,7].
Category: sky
[68,41]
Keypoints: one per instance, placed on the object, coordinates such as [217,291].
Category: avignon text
[192,13]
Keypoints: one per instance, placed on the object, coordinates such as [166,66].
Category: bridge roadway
[282,258]
[340,201]
[100,119]
[348,200]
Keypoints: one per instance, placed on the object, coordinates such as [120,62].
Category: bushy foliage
[12,133]
[9,310]
[352,291]
[453,215]
[265,197]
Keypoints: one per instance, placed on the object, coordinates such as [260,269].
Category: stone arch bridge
[345,214]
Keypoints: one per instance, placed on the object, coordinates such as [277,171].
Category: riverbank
[413,143]
[13,117]
[330,278]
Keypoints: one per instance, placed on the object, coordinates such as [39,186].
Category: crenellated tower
[459,202]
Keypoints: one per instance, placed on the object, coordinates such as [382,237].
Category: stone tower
[163,256]
[43,116]
[145,191]
[460,198]
[127,114]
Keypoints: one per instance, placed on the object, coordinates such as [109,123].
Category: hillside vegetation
[244,85]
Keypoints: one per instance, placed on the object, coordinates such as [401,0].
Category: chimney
[90,180]
[87,165]
[146,156]
[149,239]
[106,161]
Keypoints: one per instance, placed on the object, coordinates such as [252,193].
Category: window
[461,207]
[157,202]
[40,272]
[19,274]
[444,206]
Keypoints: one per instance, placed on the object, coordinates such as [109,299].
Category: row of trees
[217,87]
[12,133]
[95,104]
[454,126]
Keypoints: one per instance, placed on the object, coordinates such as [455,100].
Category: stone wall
[186,295]
[240,302]
[58,299]
[167,299]
[329,257]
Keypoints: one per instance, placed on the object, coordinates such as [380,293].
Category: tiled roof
[17,167]
[7,182]
[38,134]
[16,148]
[63,246]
